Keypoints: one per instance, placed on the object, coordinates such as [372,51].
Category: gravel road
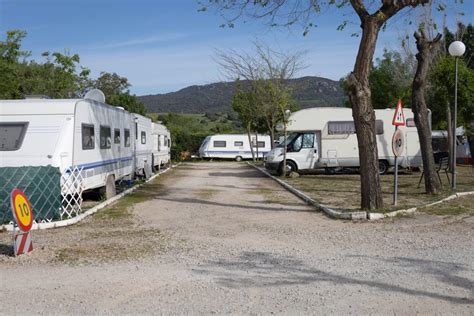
[221,238]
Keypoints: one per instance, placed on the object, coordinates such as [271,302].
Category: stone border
[376,216]
[80,217]
[361,215]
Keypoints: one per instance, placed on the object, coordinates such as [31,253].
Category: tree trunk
[364,116]
[425,53]
[256,143]
[249,134]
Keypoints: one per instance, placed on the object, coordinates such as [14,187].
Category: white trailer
[84,133]
[161,145]
[325,137]
[234,146]
[143,146]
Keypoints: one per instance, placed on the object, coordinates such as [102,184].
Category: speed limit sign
[398,142]
[22,210]
[23,214]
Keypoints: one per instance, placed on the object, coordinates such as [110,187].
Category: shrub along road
[220,237]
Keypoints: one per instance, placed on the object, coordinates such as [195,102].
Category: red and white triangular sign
[399,117]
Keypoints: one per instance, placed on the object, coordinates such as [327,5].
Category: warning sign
[399,117]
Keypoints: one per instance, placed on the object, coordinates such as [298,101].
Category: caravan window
[126,136]
[238,144]
[220,143]
[105,137]
[341,128]
[259,144]
[12,135]
[88,138]
[143,137]
[116,136]
[348,127]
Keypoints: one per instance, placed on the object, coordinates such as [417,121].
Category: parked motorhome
[234,146]
[143,145]
[83,133]
[161,145]
[325,138]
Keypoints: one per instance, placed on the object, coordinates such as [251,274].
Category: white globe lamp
[456,49]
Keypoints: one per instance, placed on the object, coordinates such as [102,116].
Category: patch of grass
[462,205]
[206,193]
[342,191]
[269,195]
[115,245]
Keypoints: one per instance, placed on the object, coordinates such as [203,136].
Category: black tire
[238,158]
[383,167]
[290,167]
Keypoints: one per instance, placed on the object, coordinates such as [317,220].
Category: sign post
[398,143]
[23,215]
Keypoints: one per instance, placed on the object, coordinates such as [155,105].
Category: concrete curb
[327,210]
[80,217]
[376,216]
[354,215]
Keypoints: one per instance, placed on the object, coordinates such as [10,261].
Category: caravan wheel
[238,158]
[383,167]
[290,167]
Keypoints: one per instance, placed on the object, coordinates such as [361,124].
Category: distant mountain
[217,97]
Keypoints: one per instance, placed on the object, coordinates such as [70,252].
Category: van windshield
[288,140]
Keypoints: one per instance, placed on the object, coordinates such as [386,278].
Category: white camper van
[325,138]
[143,146]
[161,145]
[233,146]
[86,133]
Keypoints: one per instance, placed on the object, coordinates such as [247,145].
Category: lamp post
[286,116]
[456,49]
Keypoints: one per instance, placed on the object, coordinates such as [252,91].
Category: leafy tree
[111,83]
[442,92]
[128,102]
[267,72]
[390,80]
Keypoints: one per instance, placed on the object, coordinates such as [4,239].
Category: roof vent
[120,108]
[36,97]
[96,95]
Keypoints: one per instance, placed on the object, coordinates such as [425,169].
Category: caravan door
[304,149]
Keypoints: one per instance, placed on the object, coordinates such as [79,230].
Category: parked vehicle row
[106,142]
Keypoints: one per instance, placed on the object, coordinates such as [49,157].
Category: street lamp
[456,49]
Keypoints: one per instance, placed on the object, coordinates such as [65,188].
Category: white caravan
[325,138]
[143,146]
[86,133]
[234,146]
[161,145]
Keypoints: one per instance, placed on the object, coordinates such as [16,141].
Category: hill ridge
[308,91]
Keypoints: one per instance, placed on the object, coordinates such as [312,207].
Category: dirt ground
[222,238]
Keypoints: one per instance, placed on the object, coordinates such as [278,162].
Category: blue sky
[166,45]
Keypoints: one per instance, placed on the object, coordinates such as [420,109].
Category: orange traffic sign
[22,211]
[399,117]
